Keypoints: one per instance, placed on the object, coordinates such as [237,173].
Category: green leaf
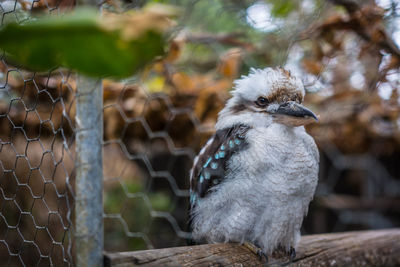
[282,8]
[110,46]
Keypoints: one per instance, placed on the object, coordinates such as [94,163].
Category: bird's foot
[257,251]
[292,254]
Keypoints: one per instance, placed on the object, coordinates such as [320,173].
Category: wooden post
[363,248]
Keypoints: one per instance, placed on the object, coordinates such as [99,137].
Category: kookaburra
[254,179]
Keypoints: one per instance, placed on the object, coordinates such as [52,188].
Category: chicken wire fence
[36,170]
[153,128]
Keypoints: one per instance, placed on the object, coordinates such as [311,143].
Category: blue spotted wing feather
[210,165]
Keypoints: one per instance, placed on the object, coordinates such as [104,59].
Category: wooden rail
[363,248]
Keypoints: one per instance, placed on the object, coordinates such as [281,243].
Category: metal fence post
[89,234]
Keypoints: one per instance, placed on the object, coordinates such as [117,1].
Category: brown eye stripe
[238,108]
[244,104]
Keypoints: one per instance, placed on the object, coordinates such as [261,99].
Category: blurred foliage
[283,8]
[115,45]
[135,210]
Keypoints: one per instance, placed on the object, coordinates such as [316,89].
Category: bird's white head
[266,96]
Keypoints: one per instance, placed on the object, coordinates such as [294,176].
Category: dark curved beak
[294,109]
[293,114]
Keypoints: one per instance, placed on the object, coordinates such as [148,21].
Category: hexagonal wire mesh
[36,167]
[153,126]
[36,158]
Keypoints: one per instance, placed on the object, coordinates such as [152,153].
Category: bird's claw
[292,254]
[262,256]
[256,250]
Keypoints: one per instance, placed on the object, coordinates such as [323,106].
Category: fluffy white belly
[266,221]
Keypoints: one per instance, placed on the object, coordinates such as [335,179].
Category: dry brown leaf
[230,62]
[312,66]
[132,24]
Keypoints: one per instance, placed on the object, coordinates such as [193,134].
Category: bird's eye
[262,101]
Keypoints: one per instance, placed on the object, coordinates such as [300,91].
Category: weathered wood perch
[363,248]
